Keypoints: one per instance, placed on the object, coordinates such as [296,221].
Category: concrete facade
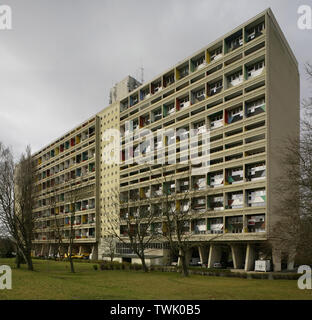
[238,93]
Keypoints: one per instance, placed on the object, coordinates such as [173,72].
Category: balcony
[235,79]
[255,69]
[233,42]
[182,103]
[169,109]
[216,121]
[198,95]
[235,200]
[255,107]
[215,179]
[198,63]
[183,185]
[215,202]
[234,175]
[199,226]
[234,224]
[255,171]
[216,54]
[215,88]
[234,115]
[256,223]
[215,226]
[199,205]
[254,32]
[199,183]
[256,198]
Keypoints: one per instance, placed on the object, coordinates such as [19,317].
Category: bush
[136,266]
[95,267]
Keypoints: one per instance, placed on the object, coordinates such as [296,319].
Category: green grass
[52,280]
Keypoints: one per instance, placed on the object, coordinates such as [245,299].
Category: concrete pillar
[277,257]
[214,255]
[94,253]
[291,259]
[203,254]
[250,258]
[238,256]
[50,249]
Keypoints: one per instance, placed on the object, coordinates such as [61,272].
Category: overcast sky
[61,58]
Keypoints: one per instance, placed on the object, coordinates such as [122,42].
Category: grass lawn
[52,280]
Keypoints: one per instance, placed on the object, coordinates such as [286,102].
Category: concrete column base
[250,258]
[238,256]
[214,255]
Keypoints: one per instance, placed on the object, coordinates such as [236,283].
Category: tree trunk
[185,271]
[30,265]
[145,269]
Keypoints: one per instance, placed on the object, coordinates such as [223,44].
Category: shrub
[136,266]
[95,267]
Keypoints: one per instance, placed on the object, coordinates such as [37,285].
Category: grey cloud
[61,58]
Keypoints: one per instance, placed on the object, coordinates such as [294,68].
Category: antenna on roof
[142,72]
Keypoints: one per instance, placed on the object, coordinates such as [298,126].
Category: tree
[16,201]
[77,190]
[136,224]
[178,211]
[294,189]
[110,246]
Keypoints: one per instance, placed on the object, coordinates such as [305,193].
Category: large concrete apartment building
[232,102]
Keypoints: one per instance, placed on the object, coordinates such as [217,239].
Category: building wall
[108,174]
[283,116]
[238,144]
